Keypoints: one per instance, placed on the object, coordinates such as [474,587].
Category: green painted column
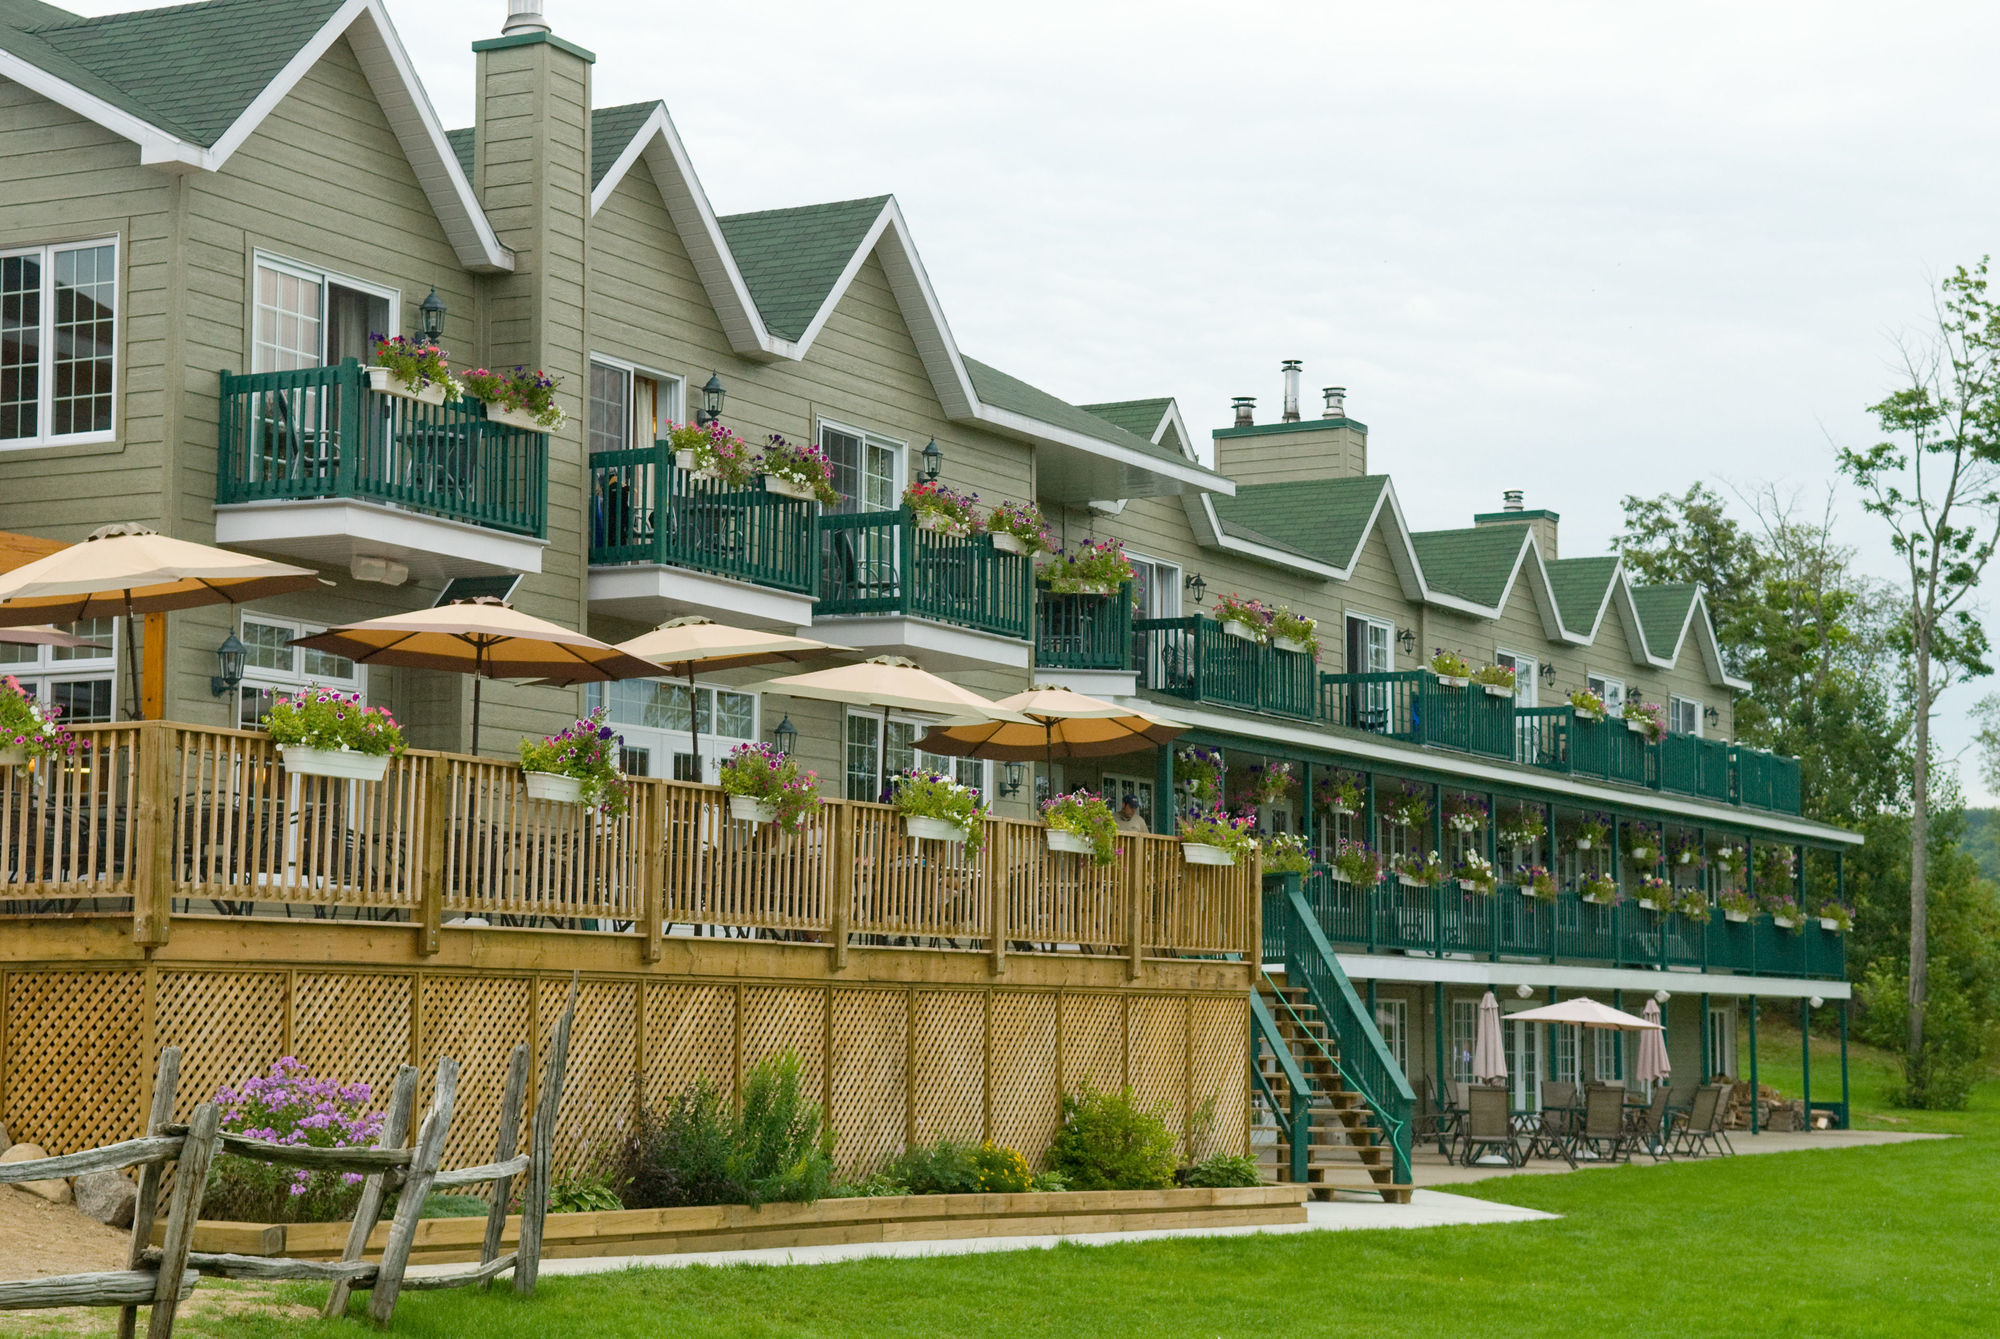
[1374,843]
[1493,859]
[1437,889]
[1805,1056]
[1846,1112]
[1437,1030]
[1163,790]
[1308,812]
[1753,1049]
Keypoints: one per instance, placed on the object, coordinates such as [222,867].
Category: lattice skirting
[896,1064]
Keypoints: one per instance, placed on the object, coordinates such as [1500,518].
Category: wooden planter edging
[736,1227]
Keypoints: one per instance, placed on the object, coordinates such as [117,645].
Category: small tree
[1936,483]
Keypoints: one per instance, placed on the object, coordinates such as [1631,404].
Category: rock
[106,1196]
[55,1190]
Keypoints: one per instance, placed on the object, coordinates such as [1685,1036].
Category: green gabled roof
[191,70]
[1473,564]
[791,258]
[996,388]
[461,149]
[1579,585]
[1663,612]
[1141,418]
[611,131]
[1321,519]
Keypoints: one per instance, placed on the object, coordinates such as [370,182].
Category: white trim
[291,681]
[261,259]
[654,592]
[311,527]
[1536,663]
[1091,683]
[1458,972]
[919,722]
[46,342]
[898,447]
[1351,614]
[933,645]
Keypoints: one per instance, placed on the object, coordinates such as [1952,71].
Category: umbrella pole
[1048,758]
[694,725]
[882,759]
[136,708]
[478,665]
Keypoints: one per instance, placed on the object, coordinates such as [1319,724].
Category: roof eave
[1208,533]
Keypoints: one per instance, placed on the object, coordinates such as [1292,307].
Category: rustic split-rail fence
[161,1277]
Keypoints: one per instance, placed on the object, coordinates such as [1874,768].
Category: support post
[146,1207]
[1437,1031]
[1555,1038]
[653,888]
[153,684]
[155,842]
[1805,1056]
[1135,906]
[1846,1116]
[437,822]
[1753,1048]
[992,875]
[840,882]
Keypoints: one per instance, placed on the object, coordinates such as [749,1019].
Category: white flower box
[343,763]
[14,756]
[1090,588]
[1583,715]
[1497,690]
[1004,542]
[1737,917]
[1828,923]
[497,412]
[750,809]
[1200,853]
[1649,904]
[1584,843]
[1527,890]
[1410,881]
[1293,645]
[385,382]
[944,525]
[554,787]
[1595,901]
[1471,886]
[1453,681]
[1785,922]
[1240,631]
[934,829]
[783,487]
[1070,843]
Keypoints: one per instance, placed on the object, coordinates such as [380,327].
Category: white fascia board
[157,148]
[1635,631]
[889,239]
[1545,595]
[1404,554]
[1707,642]
[1172,419]
[700,232]
[1504,777]
[1208,533]
[1190,476]
[1458,972]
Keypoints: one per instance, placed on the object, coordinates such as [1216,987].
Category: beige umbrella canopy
[1489,1050]
[127,570]
[486,638]
[1060,722]
[46,634]
[1652,1066]
[1585,1012]
[893,683]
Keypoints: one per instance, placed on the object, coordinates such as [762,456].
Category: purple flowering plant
[27,725]
[1212,827]
[521,391]
[1088,815]
[321,718]
[1094,567]
[587,751]
[1025,522]
[802,463]
[713,452]
[1254,616]
[290,1106]
[943,508]
[761,772]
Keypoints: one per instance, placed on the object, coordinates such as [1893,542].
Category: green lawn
[1880,1241]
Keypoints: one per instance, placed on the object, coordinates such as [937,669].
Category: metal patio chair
[1489,1125]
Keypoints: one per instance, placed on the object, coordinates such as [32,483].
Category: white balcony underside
[1461,972]
[330,533]
[1105,684]
[652,593]
[935,646]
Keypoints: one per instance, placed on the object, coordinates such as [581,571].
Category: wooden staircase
[1347,1149]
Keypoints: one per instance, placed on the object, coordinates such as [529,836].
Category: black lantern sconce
[1548,675]
[787,736]
[1197,587]
[431,312]
[1406,642]
[712,396]
[1711,717]
[933,461]
[229,658]
[1016,775]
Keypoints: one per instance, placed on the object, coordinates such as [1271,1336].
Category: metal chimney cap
[1245,407]
[524,16]
[1336,402]
[1511,500]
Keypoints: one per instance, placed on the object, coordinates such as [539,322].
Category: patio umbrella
[685,644]
[486,638]
[1586,1012]
[1489,1050]
[46,634]
[1652,1066]
[1064,723]
[127,570]
[892,683]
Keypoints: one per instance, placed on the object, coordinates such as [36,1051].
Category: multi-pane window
[303,318]
[1721,1041]
[1392,1018]
[58,336]
[1526,690]
[867,469]
[1610,689]
[627,406]
[657,716]
[273,667]
[1464,1033]
[1684,715]
[1605,1061]
[864,734]
[82,680]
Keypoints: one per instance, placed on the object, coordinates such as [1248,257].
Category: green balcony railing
[1468,719]
[1611,751]
[1764,780]
[644,510]
[1691,765]
[1084,632]
[1194,658]
[883,562]
[322,433]
[1378,704]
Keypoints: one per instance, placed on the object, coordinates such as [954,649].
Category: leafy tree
[1692,538]
[1935,481]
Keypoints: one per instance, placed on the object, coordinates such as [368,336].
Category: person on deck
[1129,817]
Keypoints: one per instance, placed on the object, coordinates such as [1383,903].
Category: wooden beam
[153,669]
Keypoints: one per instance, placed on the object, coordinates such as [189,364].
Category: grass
[1893,1240]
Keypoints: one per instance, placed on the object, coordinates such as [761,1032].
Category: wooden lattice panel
[869,1092]
[74,1058]
[353,1027]
[690,1034]
[1093,1042]
[1218,1070]
[1159,1056]
[776,1017]
[230,1026]
[1027,1089]
[477,1022]
[600,1078]
[949,1074]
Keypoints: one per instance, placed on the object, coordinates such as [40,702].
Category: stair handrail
[1364,1062]
[1298,1130]
[1332,1058]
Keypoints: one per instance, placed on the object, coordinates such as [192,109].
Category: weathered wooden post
[190,1184]
[508,1139]
[424,1160]
[840,882]
[156,843]
[653,852]
[395,1128]
[993,873]
[431,878]
[146,1207]
[535,1200]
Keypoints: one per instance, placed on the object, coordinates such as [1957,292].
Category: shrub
[521,391]
[319,718]
[585,1190]
[680,1157]
[1088,816]
[698,1151]
[290,1106]
[1002,1170]
[943,1168]
[1224,1169]
[760,772]
[588,751]
[1953,1059]
[1108,1143]
[783,1147]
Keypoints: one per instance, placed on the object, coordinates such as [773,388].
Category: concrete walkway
[1427,1208]
[1428,1169]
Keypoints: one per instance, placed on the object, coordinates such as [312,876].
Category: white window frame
[1462,1039]
[669,745]
[1721,1025]
[1605,683]
[1527,691]
[1388,625]
[920,724]
[1693,705]
[323,277]
[259,680]
[44,670]
[1160,568]
[45,378]
[1397,1034]
[1607,1044]
[672,385]
[899,452]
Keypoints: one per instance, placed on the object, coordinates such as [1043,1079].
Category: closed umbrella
[486,638]
[1489,1049]
[128,570]
[1652,1066]
[893,683]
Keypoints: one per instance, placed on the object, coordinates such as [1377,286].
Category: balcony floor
[933,645]
[652,593]
[331,533]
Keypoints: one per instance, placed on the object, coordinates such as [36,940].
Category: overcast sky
[1585,250]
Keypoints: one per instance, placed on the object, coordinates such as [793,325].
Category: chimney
[1245,406]
[1511,500]
[1514,511]
[1291,370]
[1336,402]
[524,16]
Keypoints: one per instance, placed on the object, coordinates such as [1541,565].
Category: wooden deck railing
[157,817]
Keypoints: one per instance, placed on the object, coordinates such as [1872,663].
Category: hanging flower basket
[1069,843]
[934,830]
[1583,843]
[783,487]
[343,763]
[1006,543]
[1340,811]
[1240,631]
[385,382]
[750,809]
[554,787]
[1527,890]
[1412,881]
[1199,853]
[498,412]
[1291,644]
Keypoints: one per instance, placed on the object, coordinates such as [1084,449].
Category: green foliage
[1107,1142]
[761,772]
[783,1148]
[587,751]
[1956,1042]
[319,718]
[1238,836]
[1224,1169]
[416,363]
[1287,853]
[934,795]
[699,1151]
[943,1168]
[584,1190]
[465,1206]
[1086,814]
[681,1156]
[1002,1170]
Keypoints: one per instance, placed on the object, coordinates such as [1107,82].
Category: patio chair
[1603,1131]
[1550,1133]
[1441,1123]
[1703,1132]
[1489,1125]
[1648,1126]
